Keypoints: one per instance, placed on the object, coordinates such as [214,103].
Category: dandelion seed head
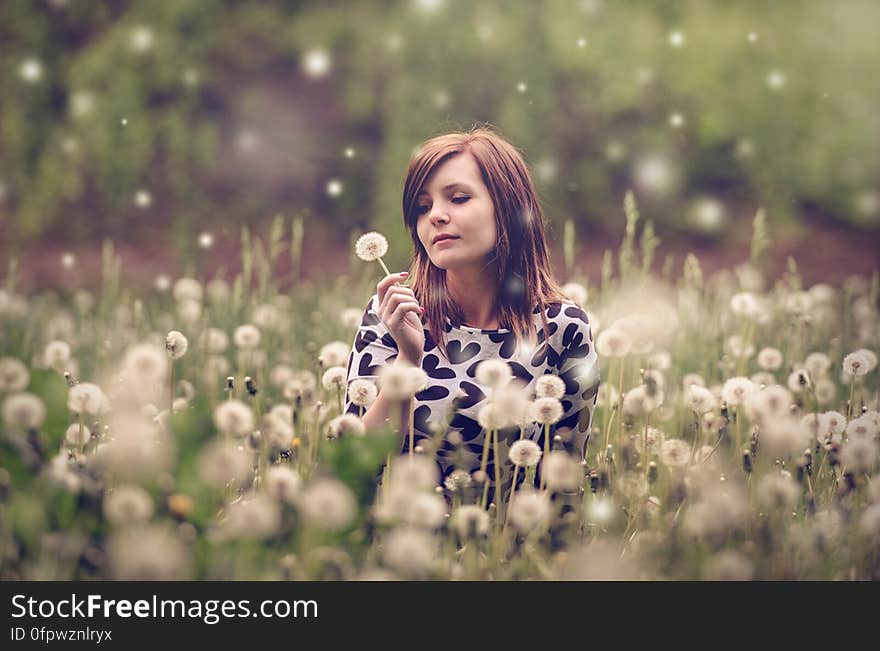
[470,521]
[327,504]
[494,373]
[254,517]
[547,411]
[561,472]
[234,418]
[14,375]
[176,344]
[224,462]
[410,552]
[148,553]
[87,398]
[23,411]
[246,337]
[417,473]
[769,359]
[362,392]
[524,453]
[68,260]
[283,483]
[345,425]
[128,504]
[613,342]
[529,510]
[31,70]
[371,246]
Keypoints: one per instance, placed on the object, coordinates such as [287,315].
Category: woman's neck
[476,295]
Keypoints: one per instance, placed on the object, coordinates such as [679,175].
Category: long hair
[525,281]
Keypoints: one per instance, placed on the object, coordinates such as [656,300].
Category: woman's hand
[401,313]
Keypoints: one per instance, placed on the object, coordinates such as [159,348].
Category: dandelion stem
[384,268]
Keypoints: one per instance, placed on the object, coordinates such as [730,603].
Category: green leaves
[357,460]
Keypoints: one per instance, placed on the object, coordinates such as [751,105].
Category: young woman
[479,287]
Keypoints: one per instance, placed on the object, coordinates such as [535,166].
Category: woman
[480,287]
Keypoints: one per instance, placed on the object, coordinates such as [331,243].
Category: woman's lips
[445,240]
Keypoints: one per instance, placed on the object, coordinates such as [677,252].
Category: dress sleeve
[578,367]
[373,348]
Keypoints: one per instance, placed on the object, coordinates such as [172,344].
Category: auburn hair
[525,281]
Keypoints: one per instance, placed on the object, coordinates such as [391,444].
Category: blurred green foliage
[122,117]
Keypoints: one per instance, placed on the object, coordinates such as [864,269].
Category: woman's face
[455,200]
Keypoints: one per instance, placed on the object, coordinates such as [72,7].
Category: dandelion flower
[768,403]
[283,483]
[729,565]
[607,395]
[222,463]
[426,511]
[334,354]
[417,473]
[576,293]
[176,344]
[277,429]
[470,521]
[56,355]
[187,289]
[529,511]
[769,359]
[148,553]
[549,386]
[345,425]
[737,390]
[525,453]
[547,411]
[858,455]
[234,418]
[833,423]
[862,427]
[128,505]
[825,391]
[418,379]
[396,382]
[699,399]
[798,381]
[87,398]
[817,365]
[23,411]
[675,453]
[254,518]
[362,392]
[494,373]
[76,435]
[14,375]
[870,356]
[613,342]
[334,378]
[144,365]
[411,552]
[491,417]
[327,504]
[561,472]
[372,246]
[857,364]
[778,491]
[246,337]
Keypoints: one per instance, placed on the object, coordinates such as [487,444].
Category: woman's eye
[421,210]
[460,199]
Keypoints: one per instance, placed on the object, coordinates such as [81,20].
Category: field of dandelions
[195,432]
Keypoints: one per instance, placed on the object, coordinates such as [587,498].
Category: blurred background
[168,125]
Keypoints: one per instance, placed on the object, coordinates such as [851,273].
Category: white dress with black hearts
[570,355]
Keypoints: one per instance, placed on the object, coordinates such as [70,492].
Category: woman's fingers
[388,281]
[393,297]
[401,311]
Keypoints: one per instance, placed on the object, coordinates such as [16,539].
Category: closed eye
[459,200]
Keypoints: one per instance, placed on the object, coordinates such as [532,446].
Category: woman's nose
[438,215]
